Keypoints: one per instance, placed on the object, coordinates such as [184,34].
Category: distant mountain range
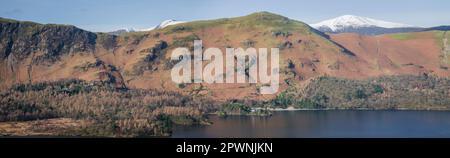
[368,26]
[341,24]
[159,26]
[363,25]
[438,28]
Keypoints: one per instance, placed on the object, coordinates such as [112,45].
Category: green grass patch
[402,36]
[185,41]
[235,108]
[4,20]
[440,36]
[265,20]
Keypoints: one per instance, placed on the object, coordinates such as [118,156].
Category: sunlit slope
[416,53]
[32,52]
[304,52]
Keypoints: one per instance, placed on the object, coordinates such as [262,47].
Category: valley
[119,85]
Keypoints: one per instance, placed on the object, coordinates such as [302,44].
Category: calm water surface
[325,124]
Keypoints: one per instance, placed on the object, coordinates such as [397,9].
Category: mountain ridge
[362,25]
[63,80]
[142,59]
[161,25]
[357,21]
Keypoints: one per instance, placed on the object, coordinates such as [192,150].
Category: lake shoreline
[325,124]
[291,108]
[343,109]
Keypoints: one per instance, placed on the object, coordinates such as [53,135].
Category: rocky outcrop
[21,39]
[30,51]
[151,55]
[155,51]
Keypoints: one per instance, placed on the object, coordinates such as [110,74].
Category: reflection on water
[325,124]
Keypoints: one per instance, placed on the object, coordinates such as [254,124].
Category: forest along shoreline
[99,109]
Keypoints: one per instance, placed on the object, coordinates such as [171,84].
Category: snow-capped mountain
[362,25]
[164,24]
[159,26]
[342,22]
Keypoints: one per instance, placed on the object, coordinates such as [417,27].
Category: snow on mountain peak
[345,21]
[159,26]
[164,24]
[168,23]
[129,29]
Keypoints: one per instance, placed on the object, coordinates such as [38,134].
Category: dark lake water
[325,124]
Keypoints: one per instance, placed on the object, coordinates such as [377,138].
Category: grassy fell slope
[140,60]
[339,71]
[32,52]
[300,45]
[395,54]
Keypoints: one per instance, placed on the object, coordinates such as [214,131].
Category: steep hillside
[143,57]
[404,53]
[65,81]
[32,52]
[35,53]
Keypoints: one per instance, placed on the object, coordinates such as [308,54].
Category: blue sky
[107,15]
